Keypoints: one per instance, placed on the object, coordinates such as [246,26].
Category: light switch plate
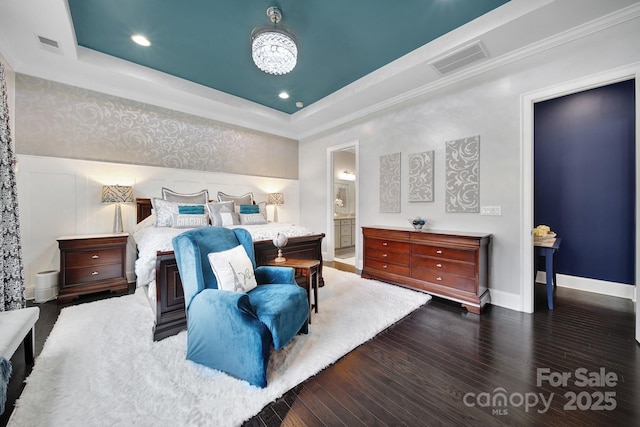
[491,210]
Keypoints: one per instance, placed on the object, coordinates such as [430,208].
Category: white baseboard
[505,299]
[613,289]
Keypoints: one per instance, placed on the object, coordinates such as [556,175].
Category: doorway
[343,222]
[528,101]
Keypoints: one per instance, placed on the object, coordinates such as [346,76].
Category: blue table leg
[550,275]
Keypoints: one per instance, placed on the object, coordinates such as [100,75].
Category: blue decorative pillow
[191,209]
[249,209]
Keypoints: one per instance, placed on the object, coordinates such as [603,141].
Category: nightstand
[92,263]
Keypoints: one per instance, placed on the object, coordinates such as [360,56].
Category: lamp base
[117,221]
[280,258]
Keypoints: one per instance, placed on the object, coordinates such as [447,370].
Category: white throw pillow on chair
[233,269]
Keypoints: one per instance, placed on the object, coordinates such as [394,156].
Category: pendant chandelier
[273,49]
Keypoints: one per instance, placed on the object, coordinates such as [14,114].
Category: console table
[452,265]
[547,249]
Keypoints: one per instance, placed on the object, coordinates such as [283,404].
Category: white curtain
[12,294]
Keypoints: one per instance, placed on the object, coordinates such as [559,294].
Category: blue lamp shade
[117,194]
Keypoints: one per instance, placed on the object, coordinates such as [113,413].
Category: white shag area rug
[101,367]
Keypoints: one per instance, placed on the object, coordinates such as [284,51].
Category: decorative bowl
[417,222]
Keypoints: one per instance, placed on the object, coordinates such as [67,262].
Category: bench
[18,326]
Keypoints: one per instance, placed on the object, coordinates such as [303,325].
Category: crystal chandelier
[273,50]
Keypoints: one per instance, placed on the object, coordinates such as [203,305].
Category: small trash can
[46,286]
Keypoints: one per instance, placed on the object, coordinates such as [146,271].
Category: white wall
[60,197]
[488,105]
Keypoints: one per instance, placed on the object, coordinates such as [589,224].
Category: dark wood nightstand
[92,263]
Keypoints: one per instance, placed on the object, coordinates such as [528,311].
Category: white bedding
[151,239]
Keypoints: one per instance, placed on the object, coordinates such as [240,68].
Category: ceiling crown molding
[594,26]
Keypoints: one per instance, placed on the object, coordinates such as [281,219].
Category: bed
[163,287]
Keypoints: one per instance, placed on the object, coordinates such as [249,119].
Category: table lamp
[275,199]
[117,194]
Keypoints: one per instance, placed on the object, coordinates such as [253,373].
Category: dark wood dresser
[447,264]
[92,263]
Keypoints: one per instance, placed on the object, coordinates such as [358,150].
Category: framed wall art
[421,177]
[463,175]
[390,183]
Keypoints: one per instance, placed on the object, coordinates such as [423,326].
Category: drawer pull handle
[385,255]
[95,257]
[384,266]
[385,244]
[439,265]
[438,278]
[439,251]
[95,273]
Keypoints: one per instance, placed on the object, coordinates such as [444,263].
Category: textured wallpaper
[58,120]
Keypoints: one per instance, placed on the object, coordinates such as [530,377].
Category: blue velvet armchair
[233,331]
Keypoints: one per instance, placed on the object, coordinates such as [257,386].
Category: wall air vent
[459,58]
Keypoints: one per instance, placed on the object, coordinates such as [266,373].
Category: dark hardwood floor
[443,366]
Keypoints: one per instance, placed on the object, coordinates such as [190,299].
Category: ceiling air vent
[460,58]
[48,42]
[49,45]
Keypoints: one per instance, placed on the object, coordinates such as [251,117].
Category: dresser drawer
[83,275]
[444,252]
[345,241]
[445,266]
[466,284]
[387,245]
[387,267]
[378,233]
[388,256]
[94,257]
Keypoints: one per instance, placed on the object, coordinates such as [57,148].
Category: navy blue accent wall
[584,182]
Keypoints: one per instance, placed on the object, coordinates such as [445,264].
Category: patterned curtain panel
[12,295]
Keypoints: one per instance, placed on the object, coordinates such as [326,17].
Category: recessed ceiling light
[141,40]
[283,95]
[299,104]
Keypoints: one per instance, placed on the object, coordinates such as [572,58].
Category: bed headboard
[143,209]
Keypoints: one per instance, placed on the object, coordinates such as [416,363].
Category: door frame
[330,235]
[631,71]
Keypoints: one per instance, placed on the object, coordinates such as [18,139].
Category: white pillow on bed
[190,220]
[252,219]
[201,197]
[165,211]
[222,214]
[233,270]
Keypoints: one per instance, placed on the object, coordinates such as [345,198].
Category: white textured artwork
[463,174]
[421,177]
[390,183]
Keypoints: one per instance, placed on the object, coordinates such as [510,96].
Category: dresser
[447,264]
[92,263]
